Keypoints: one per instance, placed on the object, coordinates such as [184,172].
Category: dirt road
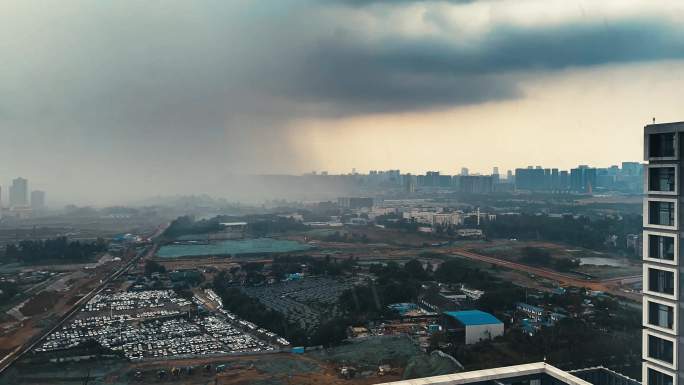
[610,285]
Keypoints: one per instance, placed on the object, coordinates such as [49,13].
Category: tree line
[581,231]
[55,250]
[257,225]
[541,257]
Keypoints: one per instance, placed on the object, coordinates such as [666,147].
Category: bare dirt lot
[40,303]
[316,367]
[43,308]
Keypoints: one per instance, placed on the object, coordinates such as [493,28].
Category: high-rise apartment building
[631,168]
[529,179]
[583,179]
[18,193]
[37,200]
[410,182]
[662,299]
[476,184]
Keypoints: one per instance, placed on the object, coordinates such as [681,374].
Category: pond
[600,261]
[232,247]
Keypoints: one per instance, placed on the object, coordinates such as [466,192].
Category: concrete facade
[662,270]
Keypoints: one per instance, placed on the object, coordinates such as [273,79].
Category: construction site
[360,362]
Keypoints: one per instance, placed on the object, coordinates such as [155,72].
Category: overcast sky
[112,100]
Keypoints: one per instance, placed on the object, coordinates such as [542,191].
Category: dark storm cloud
[396,74]
[169,89]
[395,2]
[205,64]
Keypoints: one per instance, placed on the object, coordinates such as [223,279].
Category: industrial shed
[472,326]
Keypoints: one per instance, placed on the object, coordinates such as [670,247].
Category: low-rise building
[469,233]
[472,326]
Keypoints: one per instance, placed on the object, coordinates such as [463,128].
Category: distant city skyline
[60,198]
[18,193]
[486,170]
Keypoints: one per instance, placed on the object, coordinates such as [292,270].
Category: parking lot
[156,324]
[124,301]
[302,301]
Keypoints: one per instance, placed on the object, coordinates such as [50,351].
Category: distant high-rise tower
[663,345]
[37,200]
[410,183]
[464,171]
[18,193]
[509,176]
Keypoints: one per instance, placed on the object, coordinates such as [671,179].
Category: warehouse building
[472,326]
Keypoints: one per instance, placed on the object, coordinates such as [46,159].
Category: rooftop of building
[502,375]
[509,375]
[603,376]
[473,317]
[655,128]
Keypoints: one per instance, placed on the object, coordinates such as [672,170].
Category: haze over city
[103,102]
[341,192]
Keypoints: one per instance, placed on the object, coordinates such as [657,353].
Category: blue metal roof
[473,317]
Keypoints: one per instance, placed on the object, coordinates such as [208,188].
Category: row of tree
[540,257]
[7,291]
[284,265]
[186,225]
[257,225]
[55,250]
[582,231]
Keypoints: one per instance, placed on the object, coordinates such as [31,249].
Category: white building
[478,325]
[469,233]
[380,211]
[447,219]
[434,218]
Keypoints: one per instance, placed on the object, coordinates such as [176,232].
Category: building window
[658,378]
[661,281]
[661,247]
[661,179]
[660,349]
[661,145]
[661,213]
[660,315]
